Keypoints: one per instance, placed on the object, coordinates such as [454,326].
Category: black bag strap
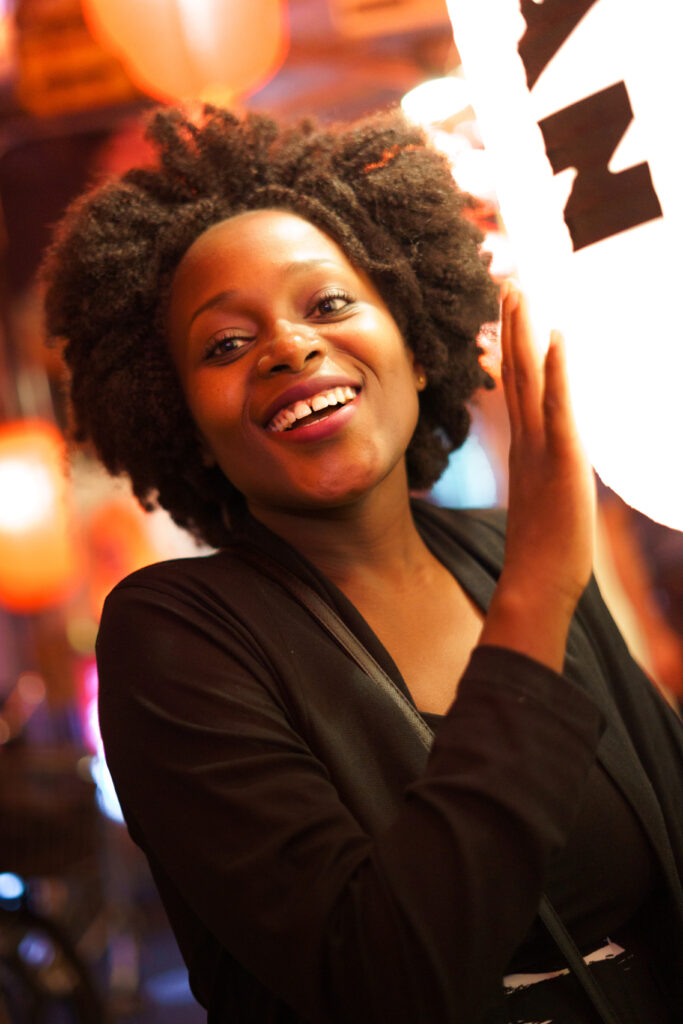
[339,631]
[563,940]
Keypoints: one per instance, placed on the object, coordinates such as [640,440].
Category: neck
[374,535]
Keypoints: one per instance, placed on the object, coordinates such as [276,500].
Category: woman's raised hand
[549,546]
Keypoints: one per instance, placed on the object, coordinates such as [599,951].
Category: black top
[316,863]
[603,874]
[598,881]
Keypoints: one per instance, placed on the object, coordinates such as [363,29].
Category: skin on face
[265,311]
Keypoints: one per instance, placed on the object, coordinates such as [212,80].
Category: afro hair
[375,187]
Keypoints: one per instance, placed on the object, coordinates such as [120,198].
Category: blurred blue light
[468,481]
[106,794]
[169,988]
[12,889]
[36,950]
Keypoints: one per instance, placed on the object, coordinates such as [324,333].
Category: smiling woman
[267,318]
[358,741]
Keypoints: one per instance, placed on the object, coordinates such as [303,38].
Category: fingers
[508,305]
[537,397]
[521,373]
[557,409]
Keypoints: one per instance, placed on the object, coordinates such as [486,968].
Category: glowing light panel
[581,133]
[436,100]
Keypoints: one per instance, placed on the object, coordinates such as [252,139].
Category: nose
[289,349]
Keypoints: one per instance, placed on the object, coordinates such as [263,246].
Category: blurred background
[82,935]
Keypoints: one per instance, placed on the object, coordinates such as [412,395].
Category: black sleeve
[654,728]
[415,925]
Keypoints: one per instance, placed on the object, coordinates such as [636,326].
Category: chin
[346,488]
[347,484]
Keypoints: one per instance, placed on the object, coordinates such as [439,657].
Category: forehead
[272,238]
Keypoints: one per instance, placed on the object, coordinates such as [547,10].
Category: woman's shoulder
[216,574]
[181,613]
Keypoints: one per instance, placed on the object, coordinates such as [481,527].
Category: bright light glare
[199,25]
[11,886]
[27,494]
[451,144]
[473,172]
[435,100]
[614,300]
[503,257]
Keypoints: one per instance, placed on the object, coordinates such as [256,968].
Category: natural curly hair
[375,187]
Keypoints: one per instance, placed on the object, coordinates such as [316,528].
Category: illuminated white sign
[577,101]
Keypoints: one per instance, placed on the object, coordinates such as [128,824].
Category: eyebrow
[297,266]
[215,300]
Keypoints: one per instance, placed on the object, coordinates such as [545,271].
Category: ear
[420,376]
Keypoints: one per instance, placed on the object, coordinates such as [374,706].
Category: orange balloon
[40,563]
[211,50]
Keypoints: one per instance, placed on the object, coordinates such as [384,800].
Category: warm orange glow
[39,561]
[212,50]
[119,544]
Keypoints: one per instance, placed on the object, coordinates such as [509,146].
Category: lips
[302,409]
[307,398]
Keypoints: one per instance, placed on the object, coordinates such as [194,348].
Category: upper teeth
[284,419]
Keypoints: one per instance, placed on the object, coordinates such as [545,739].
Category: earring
[421,381]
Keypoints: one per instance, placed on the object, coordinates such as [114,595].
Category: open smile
[305,411]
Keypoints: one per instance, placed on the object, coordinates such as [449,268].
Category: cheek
[216,407]
[382,347]
[399,375]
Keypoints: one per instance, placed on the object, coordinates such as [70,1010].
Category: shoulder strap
[563,940]
[338,630]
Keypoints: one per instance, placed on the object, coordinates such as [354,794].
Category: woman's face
[295,372]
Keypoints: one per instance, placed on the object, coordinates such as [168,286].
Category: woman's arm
[549,545]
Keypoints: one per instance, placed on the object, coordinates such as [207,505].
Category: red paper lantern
[209,50]
[39,560]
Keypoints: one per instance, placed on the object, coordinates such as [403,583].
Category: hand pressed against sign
[549,548]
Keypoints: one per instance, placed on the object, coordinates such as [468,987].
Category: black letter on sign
[548,24]
[585,136]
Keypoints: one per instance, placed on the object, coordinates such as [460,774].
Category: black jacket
[316,861]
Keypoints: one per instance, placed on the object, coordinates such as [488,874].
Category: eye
[332,302]
[225,346]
